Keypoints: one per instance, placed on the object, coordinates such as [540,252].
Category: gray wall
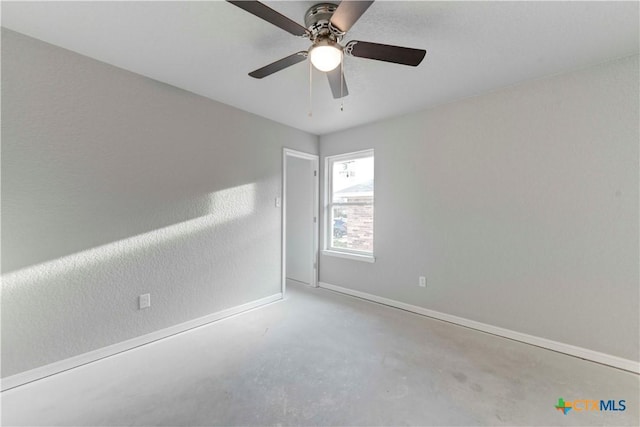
[114,185]
[520,206]
[299,225]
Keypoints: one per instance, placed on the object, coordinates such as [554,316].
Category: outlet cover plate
[144,301]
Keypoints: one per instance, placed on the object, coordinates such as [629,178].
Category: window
[350,205]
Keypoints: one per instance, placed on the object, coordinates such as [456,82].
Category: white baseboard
[572,350]
[92,356]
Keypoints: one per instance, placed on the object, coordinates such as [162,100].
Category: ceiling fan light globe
[325,57]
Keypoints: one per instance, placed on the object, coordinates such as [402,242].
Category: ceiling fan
[326,26]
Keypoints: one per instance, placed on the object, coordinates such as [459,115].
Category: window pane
[352,227]
[353,181]
[350,204]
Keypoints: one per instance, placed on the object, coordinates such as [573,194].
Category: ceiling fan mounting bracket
[348,48]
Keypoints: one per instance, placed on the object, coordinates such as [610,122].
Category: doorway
[300,218]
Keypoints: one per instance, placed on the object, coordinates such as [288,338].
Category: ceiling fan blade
[336,79]
[265,12]
[280,64]
[385,52]
[348,12]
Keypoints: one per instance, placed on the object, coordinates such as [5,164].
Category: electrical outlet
[144,301]
[422,282]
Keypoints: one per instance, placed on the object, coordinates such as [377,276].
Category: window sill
[355,257]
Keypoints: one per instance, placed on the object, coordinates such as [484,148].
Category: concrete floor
[321,358]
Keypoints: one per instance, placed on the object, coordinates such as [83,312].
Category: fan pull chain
[310,89]
[342,83]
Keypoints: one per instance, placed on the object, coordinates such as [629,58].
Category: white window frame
[328,197]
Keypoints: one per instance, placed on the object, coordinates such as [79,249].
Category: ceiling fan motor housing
[318,21]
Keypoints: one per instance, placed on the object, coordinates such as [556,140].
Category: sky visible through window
[352,172]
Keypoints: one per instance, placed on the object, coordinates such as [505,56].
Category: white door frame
[287,152]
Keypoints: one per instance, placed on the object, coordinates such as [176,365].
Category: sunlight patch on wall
[224,207]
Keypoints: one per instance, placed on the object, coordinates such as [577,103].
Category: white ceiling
[208,47]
